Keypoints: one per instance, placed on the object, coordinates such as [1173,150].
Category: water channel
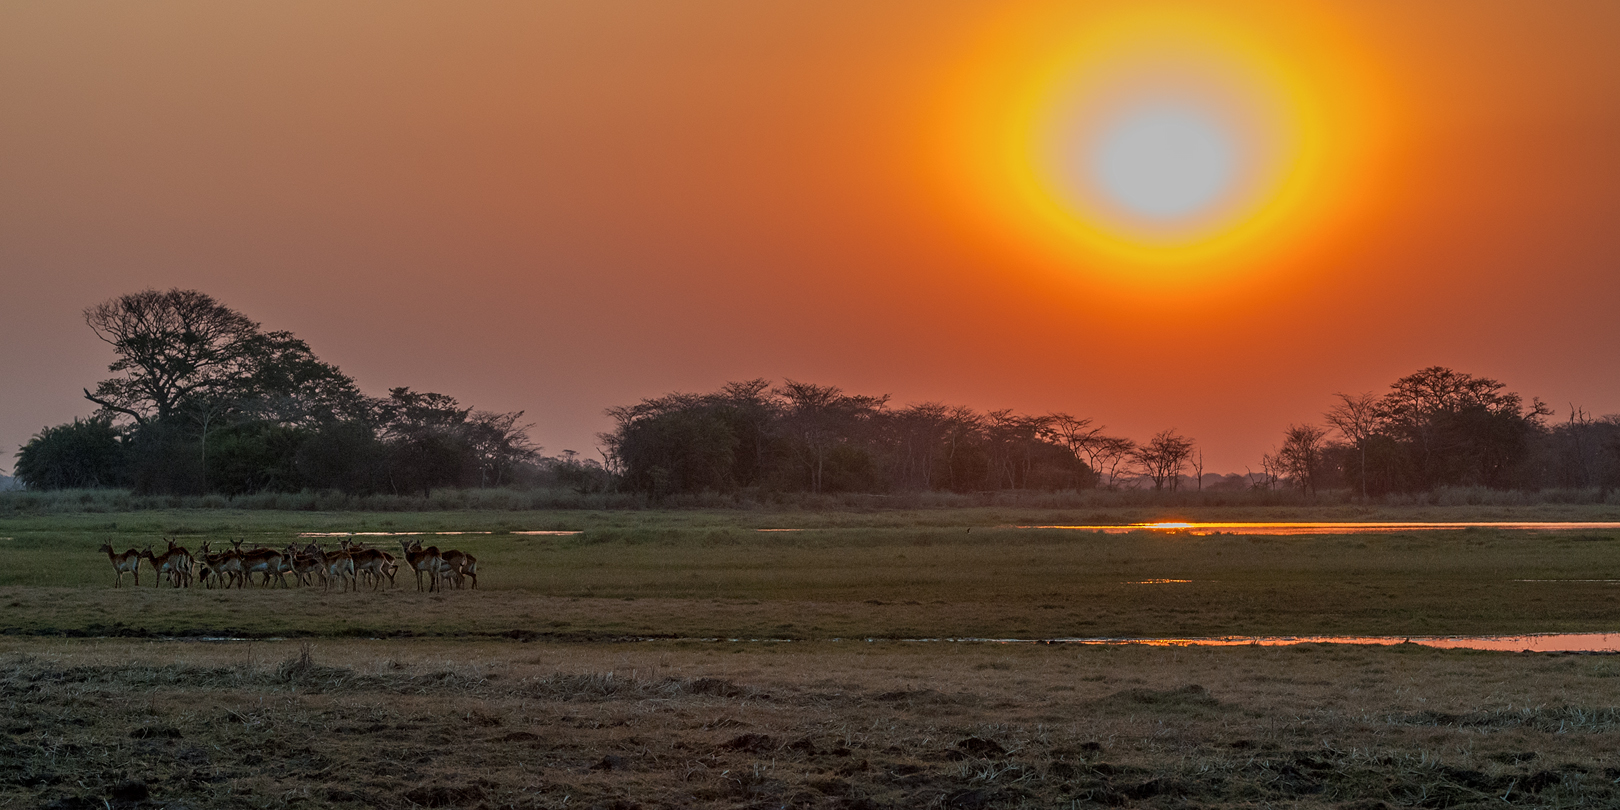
[1330,528]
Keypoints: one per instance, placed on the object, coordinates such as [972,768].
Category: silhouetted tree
[1452,428]
[1356,419]
[81,454]
[1163,458]
[821,417]
[1301,456]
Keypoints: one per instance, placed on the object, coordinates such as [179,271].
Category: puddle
[1202,529]
[1542,642]
[1535,642]
[421,534]
[382,534]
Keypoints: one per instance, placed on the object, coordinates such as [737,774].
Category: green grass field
[897,574]
[527,693]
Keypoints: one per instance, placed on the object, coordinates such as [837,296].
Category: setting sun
[1159,144]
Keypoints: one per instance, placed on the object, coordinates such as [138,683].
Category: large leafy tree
[1449,428]
[81,454]
[182,354]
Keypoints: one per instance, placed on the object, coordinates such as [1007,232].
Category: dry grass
[399,699]
[851,725]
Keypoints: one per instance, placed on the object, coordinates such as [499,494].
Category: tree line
[204,400]
[1439,428]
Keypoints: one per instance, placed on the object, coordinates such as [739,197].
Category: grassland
[877,574]
[577,675]
[437,723]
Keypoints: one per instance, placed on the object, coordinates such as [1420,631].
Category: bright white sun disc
[1162,162]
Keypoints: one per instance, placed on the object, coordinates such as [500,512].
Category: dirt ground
[488,724]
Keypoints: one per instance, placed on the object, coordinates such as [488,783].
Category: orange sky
[562,206]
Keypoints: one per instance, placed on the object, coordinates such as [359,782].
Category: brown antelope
[228,565]
[423,561]
[306,563]
[461,566]
[262,561]
[224,567]
[163,565]
[183,561]
[128,561]
[368,561]
[206,571]
[339,565]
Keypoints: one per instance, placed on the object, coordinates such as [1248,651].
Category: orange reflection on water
[1328,528]
[1547,642]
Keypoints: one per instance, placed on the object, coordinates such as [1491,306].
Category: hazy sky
[563,206]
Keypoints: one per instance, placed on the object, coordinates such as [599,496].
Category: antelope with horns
[165,565]
[129,561]
[423,561]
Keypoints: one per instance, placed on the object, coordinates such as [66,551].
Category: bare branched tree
[1163,458]
[1356,419]
[1300,458]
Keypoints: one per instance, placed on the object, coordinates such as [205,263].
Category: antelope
[461,565]
[228,565]
[339,565]
[207,568]
[423,561]
[307,563]
[165,564]
[369,561]
[262,561]
[183,561]
[128,561]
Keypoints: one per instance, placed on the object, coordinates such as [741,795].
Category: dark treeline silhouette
[1439,428]
[801,437]
[205,401]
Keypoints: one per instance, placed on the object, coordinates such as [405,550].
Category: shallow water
[1202,529]
[1539,642]
[418,534]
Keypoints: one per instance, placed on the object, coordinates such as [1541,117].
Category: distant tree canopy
[801,437]
[1439,428]
[204,400]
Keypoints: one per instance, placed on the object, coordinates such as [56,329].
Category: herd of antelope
[350,565]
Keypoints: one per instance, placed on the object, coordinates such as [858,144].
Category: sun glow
[1159,144]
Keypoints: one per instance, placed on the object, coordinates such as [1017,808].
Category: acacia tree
[819,417]
[1300,458]
[1101,453]
[1163,458]
[182,353]
[172,347]
[1454,428]
[1356,418]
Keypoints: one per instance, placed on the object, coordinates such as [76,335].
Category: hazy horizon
[565,206]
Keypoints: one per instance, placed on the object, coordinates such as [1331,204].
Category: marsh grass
[654,725]
[844,575]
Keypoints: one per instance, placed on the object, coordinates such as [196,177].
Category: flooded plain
[1302,528]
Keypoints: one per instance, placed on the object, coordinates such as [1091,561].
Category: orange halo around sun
[1272,101]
